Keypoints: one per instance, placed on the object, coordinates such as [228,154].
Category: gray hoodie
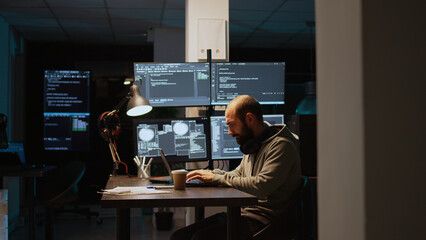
[272,174]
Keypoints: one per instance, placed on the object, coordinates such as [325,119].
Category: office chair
[289,225]
[58,189]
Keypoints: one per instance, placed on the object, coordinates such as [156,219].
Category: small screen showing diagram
[180,139]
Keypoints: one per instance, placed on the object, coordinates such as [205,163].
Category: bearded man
[270,170]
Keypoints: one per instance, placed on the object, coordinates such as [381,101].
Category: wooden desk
[30,174]
[191,197]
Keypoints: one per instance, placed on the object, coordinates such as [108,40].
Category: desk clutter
[143,167]
[127,191]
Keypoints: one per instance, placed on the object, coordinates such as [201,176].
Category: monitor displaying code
[174,84]
[66,110]
[225,146]
[262,80]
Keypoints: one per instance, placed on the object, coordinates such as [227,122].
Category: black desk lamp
[109,123]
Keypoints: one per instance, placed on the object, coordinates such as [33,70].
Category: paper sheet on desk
[120,191]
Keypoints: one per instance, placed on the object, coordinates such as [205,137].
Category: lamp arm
[120,104]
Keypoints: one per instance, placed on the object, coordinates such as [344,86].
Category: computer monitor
[225,146]
[181,139]
[261,80]
[66,110]
[174,84]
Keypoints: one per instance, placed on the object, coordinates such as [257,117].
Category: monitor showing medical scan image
[182,140]
[225,146]
[261,80]
[174,84]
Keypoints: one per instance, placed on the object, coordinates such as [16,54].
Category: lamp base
[114,173]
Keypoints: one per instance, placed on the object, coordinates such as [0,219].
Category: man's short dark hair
[248,104]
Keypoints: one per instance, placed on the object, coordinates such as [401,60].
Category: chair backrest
[307,213]
[61,186]
[291,217]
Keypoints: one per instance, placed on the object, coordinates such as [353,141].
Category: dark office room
[212,119]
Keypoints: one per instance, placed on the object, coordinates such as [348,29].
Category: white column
[206,27]
[341,206]
[203,19]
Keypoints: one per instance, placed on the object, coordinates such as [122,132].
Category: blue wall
[11,46]
[11,94]
[5,97]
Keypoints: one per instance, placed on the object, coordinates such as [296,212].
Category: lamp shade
[137,104]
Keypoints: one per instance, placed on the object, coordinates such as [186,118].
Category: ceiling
[252,23]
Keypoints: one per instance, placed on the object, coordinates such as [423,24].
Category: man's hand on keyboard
[203,175]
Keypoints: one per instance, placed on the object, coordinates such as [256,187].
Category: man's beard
[246,134]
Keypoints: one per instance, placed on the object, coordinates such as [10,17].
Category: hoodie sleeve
[236,172]
[278,158]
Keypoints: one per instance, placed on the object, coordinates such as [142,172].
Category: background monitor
[225,146]
[66,110]
[262,80]
[182,140]
[174,84]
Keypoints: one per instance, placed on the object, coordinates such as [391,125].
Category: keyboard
[160,179]
[199,183]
